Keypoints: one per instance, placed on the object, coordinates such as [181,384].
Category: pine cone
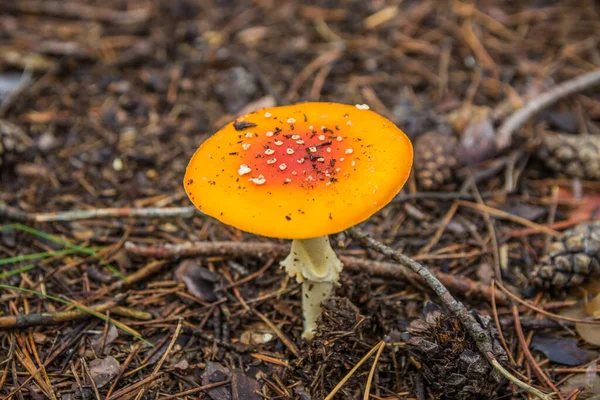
[570,260]
[13,143]
[449,358]
[435,160]
[572,156]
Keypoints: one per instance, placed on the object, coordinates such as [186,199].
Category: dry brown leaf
[104,370]
[592,307]
[592,287]
[100,342]
[460,118]
[589,333]
[199,281]
[562,350]
[477,142]
[580,380]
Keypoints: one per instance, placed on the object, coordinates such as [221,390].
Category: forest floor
[107,101]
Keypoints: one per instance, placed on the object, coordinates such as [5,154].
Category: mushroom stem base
[313,296]
[313,262]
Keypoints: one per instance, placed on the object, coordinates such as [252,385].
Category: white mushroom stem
[314,263]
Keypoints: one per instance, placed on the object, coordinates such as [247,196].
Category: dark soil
[115,96]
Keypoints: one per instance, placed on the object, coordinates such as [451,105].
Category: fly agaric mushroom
[301,172]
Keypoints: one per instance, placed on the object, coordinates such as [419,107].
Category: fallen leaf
[562,350]
[111,335]
[460,117]
[589,333]
[587,381]
[300,391]
[104,370]
[199,281]
[244,387]
[285,309]
[477,142]
[592,307]
[215,372]
[122,259]
[563,121]
[592,287]
[159,353]
[183,364]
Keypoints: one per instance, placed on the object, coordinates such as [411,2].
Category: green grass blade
[8,274]
[53,239]
[56,240]
[80,308]
[35,256]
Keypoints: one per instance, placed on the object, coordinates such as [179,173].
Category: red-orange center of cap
[297,155]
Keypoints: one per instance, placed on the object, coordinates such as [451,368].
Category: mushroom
[301,172]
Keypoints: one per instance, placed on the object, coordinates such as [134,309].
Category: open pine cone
[435,160]
[572,156]
[449,359]
[570,260]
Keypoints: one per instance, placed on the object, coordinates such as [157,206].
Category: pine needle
[8,274]
[83,308]
[35,256]
[372,372]
[54,239]
[353,370]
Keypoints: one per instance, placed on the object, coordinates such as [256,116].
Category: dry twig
[39,319]
[53,318]
[464,286]
[99,213]
[148,270]
[72,9]
[469,322]
[516,120]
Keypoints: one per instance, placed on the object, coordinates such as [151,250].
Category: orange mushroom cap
[300,171]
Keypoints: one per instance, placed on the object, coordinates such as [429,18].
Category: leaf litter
[116,98]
